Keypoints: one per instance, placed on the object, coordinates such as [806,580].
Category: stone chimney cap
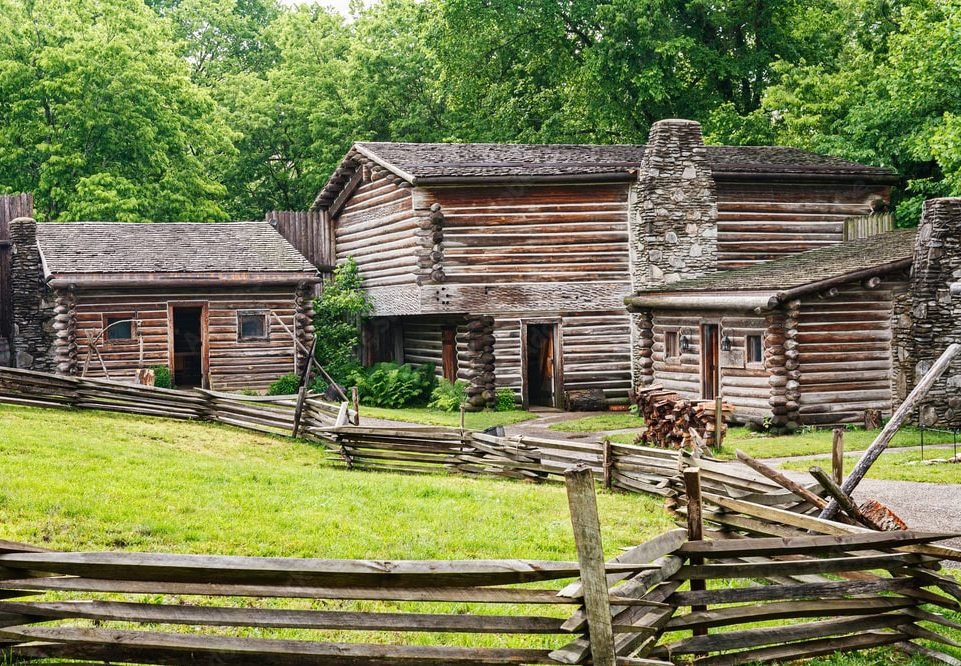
[676,121]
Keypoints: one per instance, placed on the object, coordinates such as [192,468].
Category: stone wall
[33,333]
[936,309]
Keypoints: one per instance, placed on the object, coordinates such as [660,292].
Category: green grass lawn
[895,467]
[600,422]
[422,415]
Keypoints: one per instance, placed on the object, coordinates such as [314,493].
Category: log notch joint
[478,365]
[33,332]
[936,308]
[65,331]
[642,344]
[430,246]
[673,217]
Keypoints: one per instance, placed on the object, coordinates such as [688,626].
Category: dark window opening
[755,350]
[670,345]
[118,328]
[251,326]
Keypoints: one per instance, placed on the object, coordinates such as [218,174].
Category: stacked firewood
[674,422]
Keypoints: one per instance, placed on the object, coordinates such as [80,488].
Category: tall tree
[99,116]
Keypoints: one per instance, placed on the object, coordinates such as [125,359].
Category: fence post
[608,465]
[837,456]
[590,556]
[355,398]
[695,529]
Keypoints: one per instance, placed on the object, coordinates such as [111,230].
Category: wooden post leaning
[887,434]
[695,530]
[355,398]
[837,456]
[590,557]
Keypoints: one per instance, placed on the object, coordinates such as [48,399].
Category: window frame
[749,347]
[264,315]
[105,322]
[674,335]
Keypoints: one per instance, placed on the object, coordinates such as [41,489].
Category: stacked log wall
[233,365]
[378,228]
[744,385]
[761,221]
[845,352]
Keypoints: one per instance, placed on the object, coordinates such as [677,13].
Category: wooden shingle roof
[440,163]
[116,248]
[813,269]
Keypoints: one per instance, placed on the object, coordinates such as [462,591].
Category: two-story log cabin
[508,265]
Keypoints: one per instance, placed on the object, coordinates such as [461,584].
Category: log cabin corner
[507,265]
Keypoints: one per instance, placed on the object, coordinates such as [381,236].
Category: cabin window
[670,345]
[755,350]
[119,327]
[252,326]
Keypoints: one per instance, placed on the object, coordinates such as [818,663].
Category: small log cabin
[224,306]
[508,265]
[802,340]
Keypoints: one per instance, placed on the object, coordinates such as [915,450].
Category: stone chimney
[935,313]
[32,313]
[673,213]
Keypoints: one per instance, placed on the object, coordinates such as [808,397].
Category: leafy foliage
[286,385]
[337,317]
[394,385]
[448,396]
[506,400]
[162,377]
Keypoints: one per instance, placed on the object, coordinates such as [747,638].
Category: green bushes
[338,313]
[392,385]
[162,377]
[286,385]
[505,400]
[448,396]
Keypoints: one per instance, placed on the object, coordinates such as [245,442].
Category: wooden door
[449,352]
[710,355]
[541,366]
[188,345]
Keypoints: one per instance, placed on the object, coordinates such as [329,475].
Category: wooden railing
[821,594]
[268,414]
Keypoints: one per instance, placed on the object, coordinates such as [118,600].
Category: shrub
[393,385]
[162,377]
[286,385]
[448,396]
[338,314]
[506,401]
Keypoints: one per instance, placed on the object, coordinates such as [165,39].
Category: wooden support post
[299,410]
[355,398]
[842,498]
[837,456]
[695,530]
[607,464]
[463,418]
[783,481]
[891,429]
[590,556]
[718,422]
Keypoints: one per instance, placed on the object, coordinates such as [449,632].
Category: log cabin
[224,306]
[507,265]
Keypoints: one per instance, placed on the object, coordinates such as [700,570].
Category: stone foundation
[33,307]
[936,310]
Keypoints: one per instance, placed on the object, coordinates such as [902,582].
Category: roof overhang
[751,300]
[723,175]
[148,280]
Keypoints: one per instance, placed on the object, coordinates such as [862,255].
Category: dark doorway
[188,346]
[449,352]
[541,365]
[710,353]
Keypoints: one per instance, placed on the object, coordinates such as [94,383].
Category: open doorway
[188,345]
[710,354]
[541,365]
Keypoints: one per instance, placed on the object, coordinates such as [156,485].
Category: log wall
[844,342]
[744,385]
[763,221]
[233,364]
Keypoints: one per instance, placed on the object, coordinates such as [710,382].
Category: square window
[118,328]
[251,326]
[755,349]
[670,345]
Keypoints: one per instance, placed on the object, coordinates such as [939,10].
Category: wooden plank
[695,532]
[809,544]
[796,567]
[828,590]
[804,649]
[590,555]
[786,610]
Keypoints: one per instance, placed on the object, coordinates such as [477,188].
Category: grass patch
[422,415]
[600,422]
[895,467]
[814,442]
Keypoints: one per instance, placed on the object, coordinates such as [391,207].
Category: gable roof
[792,275]
[186,249]
[440,163]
